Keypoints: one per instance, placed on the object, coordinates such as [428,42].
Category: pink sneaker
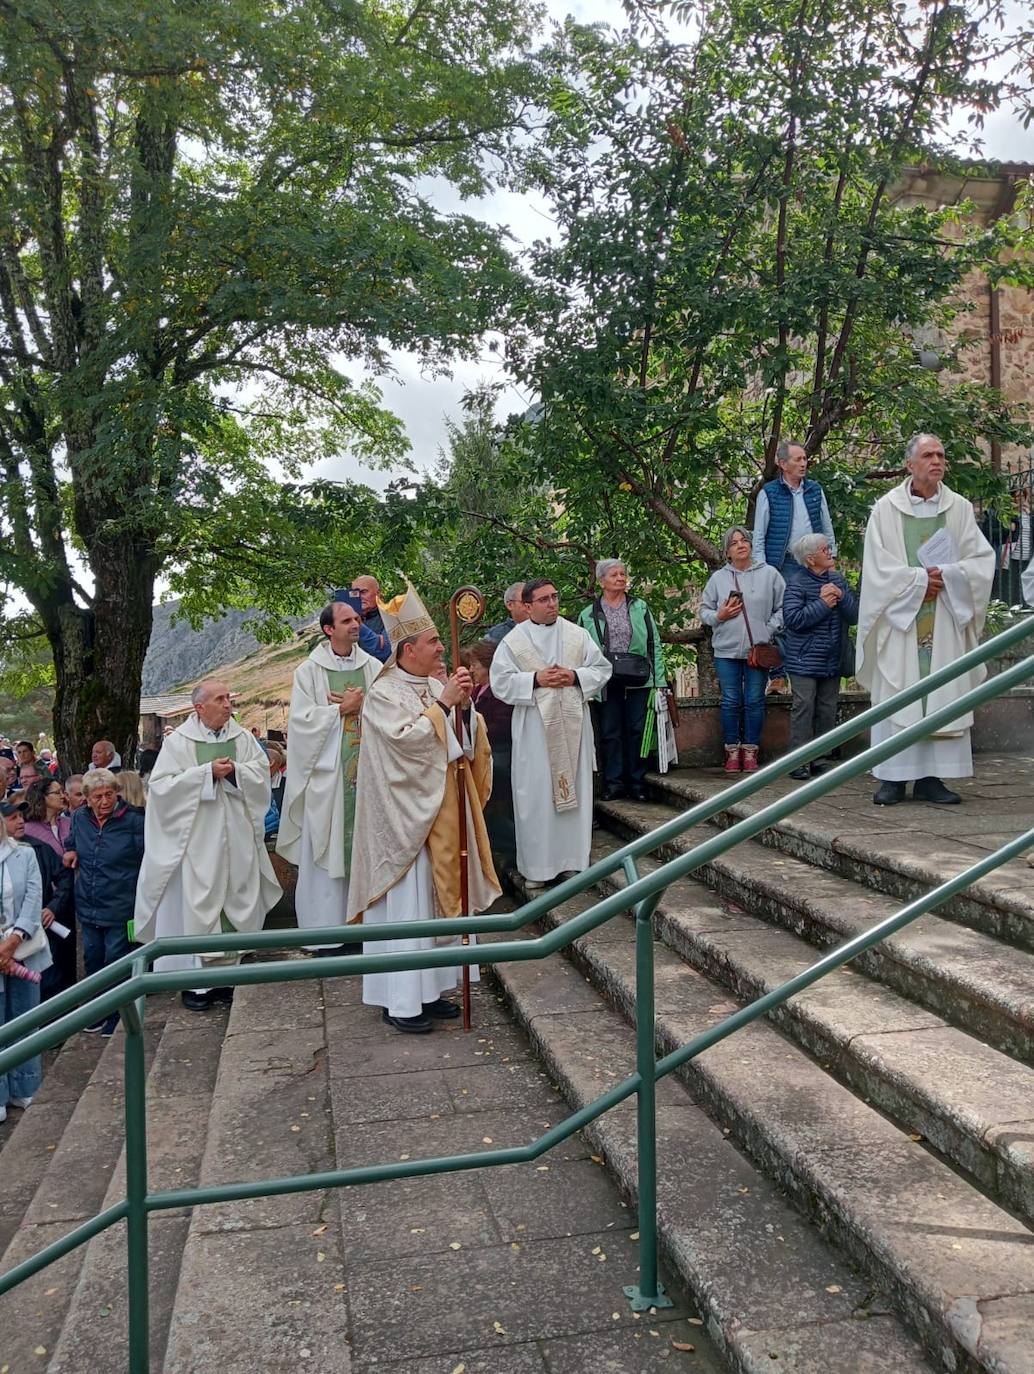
[749,753]
[732,758]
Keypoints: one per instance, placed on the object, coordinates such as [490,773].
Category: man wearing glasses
[547,669]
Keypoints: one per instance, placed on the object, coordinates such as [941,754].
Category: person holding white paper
[926,581]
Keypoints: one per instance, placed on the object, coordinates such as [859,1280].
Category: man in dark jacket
[105,847]
[818,606]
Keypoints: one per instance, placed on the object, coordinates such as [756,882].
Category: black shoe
[933,790]
[820,766]
[109,1027]
[223,996]
[441,1009]
[94,1028]
[412,1025]
[637,793]
[197,1001]
[613,793]
[334,951]
[889,794]
[800,774]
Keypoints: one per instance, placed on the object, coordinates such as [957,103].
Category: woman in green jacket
[624,628]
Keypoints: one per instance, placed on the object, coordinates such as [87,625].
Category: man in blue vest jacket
[788,508]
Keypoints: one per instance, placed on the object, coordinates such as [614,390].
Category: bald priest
[405,846]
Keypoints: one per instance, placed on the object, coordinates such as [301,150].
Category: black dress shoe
[197,1001]
[612,793]
[800,774]
[637,793]
[889,794]
[933,790]
[441,1009]
[411,1025]
[820,766]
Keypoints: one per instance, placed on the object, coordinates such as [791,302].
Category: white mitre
[404,615]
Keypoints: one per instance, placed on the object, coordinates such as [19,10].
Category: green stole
[917,530]
[206,751]
[339,680]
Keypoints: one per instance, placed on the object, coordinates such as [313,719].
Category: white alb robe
[412,899]
[548,841]
[312,820]
[204,847]
[888,653]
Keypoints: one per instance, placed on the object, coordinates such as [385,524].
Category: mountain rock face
[178,654]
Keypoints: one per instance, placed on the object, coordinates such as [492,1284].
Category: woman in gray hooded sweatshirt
[745,590]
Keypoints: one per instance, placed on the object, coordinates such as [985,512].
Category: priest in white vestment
[547,669]
[318,811]
[406,844]
[205,867]
[926,581]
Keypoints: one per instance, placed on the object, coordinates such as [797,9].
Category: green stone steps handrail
[125,986]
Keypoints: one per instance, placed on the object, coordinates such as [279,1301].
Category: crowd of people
[362,792]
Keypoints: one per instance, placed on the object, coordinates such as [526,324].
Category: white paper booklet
[938,550]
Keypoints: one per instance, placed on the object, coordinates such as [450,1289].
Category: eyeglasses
[544,600]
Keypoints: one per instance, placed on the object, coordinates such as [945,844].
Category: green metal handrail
[125,986]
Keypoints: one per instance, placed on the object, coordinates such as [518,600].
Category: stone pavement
[517,1270]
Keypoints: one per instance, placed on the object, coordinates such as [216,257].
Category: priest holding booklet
[926,581]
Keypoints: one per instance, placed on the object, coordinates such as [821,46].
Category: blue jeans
[102,945]
[743,700]
[17,996]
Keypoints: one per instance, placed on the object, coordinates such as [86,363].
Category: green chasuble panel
[339,680]
[918,529]
[207,750]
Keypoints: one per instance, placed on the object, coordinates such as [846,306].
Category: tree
[206,212]
[728,266]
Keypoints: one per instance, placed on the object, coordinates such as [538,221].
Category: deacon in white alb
[547,669]
[926,581]
[319,796]
[205,867]
[406,844]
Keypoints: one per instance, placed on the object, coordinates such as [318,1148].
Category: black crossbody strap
[743,605]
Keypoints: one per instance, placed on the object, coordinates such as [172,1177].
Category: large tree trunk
[99,656]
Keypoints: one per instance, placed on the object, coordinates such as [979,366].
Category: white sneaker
[22,1102]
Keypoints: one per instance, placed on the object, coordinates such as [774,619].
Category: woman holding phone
[742,602]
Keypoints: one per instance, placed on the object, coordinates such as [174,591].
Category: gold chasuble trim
[443,840]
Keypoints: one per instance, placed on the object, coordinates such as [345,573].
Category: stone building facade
[999,324]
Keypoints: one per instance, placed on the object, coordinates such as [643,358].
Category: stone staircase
[861,1165]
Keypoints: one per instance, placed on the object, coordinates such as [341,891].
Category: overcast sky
[424,403]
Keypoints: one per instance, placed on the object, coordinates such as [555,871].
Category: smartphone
[353,599]
[735,596]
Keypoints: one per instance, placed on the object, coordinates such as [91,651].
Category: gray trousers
[813,710]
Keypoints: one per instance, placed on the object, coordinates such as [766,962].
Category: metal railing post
[649,1291]
[136,1188]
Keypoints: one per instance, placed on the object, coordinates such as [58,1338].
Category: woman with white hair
[817,609]
[743,604]
[626,631]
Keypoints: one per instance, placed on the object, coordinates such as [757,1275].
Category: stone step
[774,1294]
[260,1281]
[81,1159]
[967,1099]
[30,1138]
[900,851]
[970,979]
[180,1084]
[958,1268]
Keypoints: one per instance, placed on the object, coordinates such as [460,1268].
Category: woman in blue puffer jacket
[818,607]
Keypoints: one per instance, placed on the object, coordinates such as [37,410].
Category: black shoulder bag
[630,670]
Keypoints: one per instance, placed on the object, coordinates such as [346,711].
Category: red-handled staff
[467,606]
